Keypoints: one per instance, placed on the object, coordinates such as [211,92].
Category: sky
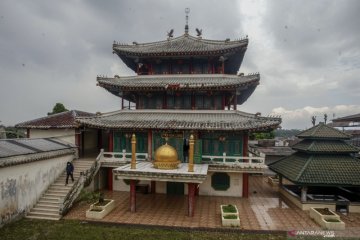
[307,52]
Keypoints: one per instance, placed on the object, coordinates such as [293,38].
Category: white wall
[22,185]
[235,189]
[67,135]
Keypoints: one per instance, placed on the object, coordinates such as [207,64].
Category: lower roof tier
[319,170]
[212,120]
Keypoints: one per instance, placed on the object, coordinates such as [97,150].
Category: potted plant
[229,216]
[101,208]
[327,218]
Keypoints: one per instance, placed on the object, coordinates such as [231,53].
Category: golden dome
[166,157]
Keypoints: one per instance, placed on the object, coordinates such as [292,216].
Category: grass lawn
[27,229]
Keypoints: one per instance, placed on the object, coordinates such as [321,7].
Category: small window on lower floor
[220,181]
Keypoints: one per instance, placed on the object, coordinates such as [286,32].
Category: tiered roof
[182,120]
[185,45]
[58,120]
[245,85]
[322,159]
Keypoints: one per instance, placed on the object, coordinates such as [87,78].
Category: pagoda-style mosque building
[179,130]
[323,172]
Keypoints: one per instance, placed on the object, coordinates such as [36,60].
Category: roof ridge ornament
[187,11]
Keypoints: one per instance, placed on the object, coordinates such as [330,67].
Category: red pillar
[245,190]
[28,133]
[153,187]
[235,101]
[110,179]
[191,199]
[132,196]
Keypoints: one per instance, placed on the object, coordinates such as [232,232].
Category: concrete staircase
[48,206]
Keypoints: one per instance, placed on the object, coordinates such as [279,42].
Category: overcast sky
[307,52]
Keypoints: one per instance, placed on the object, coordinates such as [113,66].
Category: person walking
[69,172]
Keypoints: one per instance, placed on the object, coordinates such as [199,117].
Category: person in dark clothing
[69,172]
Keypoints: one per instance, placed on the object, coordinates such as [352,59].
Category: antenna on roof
[187,11]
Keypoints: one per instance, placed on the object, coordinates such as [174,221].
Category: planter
[273,181]
[333,224]
[224,208]
[98,211]
[231,220]
[326,218]
[229,216]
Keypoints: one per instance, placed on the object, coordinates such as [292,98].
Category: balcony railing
[120,157]
[245,162]
[238,161]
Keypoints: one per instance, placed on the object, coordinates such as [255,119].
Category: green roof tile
[325,146]
[322,131]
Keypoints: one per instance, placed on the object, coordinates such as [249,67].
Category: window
[220,181]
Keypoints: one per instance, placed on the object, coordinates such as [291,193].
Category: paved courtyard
[263,210]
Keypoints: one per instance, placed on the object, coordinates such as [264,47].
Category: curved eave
[176,120]
[184,82]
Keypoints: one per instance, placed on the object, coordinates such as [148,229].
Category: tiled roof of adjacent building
[350,118]
[319,170]
[183,45]
[322,131]
[325,146]
[17,151]
[323,159]
[59,120]
[179,82]
[181,119]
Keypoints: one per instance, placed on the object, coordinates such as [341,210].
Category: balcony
[223,163]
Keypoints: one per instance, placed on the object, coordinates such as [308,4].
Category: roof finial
[187,11]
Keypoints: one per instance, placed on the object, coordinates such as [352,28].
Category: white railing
[246,162]
[120,157]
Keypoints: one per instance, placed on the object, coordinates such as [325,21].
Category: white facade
[23,184]
[66,134]
[235,189]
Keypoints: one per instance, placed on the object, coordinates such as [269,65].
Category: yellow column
[133,152]
[191,153]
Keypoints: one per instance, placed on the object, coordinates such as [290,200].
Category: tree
[58,108]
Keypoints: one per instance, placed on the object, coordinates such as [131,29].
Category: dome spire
[187,11]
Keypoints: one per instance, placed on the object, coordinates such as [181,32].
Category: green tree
[263,135]
[58,108]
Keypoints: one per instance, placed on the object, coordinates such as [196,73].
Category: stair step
[45,210]
[55,195]
[47,205]
[44,218]
[43,214]
[57,191]
[54,202]
[53,199]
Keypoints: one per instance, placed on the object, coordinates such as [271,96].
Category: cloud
[301,117]
[307,54]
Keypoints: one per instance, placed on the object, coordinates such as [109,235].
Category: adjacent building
[323,171]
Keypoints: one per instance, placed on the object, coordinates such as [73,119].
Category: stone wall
[22,185]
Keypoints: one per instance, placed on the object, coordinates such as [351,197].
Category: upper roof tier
[244,85]
[184,46]
[322,131]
